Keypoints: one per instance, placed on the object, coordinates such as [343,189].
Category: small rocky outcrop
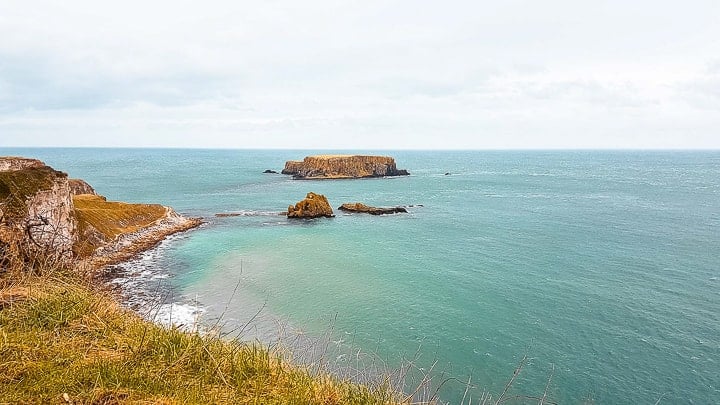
[78,186]
[313,206]
[268,171]
[360,207]
[342,167]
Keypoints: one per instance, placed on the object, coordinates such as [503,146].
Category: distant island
[342,167]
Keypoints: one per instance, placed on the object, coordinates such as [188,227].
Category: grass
[60,335]
[100,221]
[112,218]
[17,185]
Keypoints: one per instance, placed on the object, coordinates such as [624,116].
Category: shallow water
[603,265]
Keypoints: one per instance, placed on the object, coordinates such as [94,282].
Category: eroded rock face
[12,163]
[342,167]
[36,205]
[78,186]
[360,207]
[313,206]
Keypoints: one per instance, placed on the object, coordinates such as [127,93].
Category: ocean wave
[176,315]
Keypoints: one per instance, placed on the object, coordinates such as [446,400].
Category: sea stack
[342,167]
[313,206]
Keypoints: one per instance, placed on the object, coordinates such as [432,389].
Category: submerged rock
[360,207]
[313,206]
[268,171]
[342,167]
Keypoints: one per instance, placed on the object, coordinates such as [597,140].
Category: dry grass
[17,185]
[100,221]
[61,336]
[112,218]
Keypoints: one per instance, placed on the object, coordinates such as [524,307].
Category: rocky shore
[128,245]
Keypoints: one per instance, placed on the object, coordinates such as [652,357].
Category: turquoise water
[603,265]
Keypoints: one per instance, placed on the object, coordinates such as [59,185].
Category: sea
[583,276]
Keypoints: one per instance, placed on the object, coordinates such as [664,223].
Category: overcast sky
[361,74]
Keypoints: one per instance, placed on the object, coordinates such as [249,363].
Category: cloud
[347,73]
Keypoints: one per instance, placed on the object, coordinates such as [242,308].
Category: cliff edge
[342,167]
[36,206]
[43,209]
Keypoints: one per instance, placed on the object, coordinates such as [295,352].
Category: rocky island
[313,206]
[342,167]
[360,207]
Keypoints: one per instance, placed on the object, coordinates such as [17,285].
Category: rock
[313,206]
[342,167]
[36,206]
[13,163]
[270,171]
[78,187]
[41,209]
[360,207]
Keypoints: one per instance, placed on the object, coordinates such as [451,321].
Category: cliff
[112,231]
[36,205]
[40,207]
[342,167]
[78,186]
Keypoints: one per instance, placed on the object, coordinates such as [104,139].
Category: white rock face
[49,219]
[8,163]
[53,214]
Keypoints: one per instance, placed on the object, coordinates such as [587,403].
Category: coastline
[128,245]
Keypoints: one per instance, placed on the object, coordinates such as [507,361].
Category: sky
[336,74]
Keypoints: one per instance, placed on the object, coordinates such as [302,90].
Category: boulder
[342,167]
[360,207]
[313,206]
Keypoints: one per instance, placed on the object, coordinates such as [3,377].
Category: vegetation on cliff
[17,185]
[101,221]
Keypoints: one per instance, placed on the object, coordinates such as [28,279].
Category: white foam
[182,316]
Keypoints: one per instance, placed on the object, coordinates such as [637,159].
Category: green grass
[59,335]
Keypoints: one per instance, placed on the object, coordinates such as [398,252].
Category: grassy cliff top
[112,218]
[17,186]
